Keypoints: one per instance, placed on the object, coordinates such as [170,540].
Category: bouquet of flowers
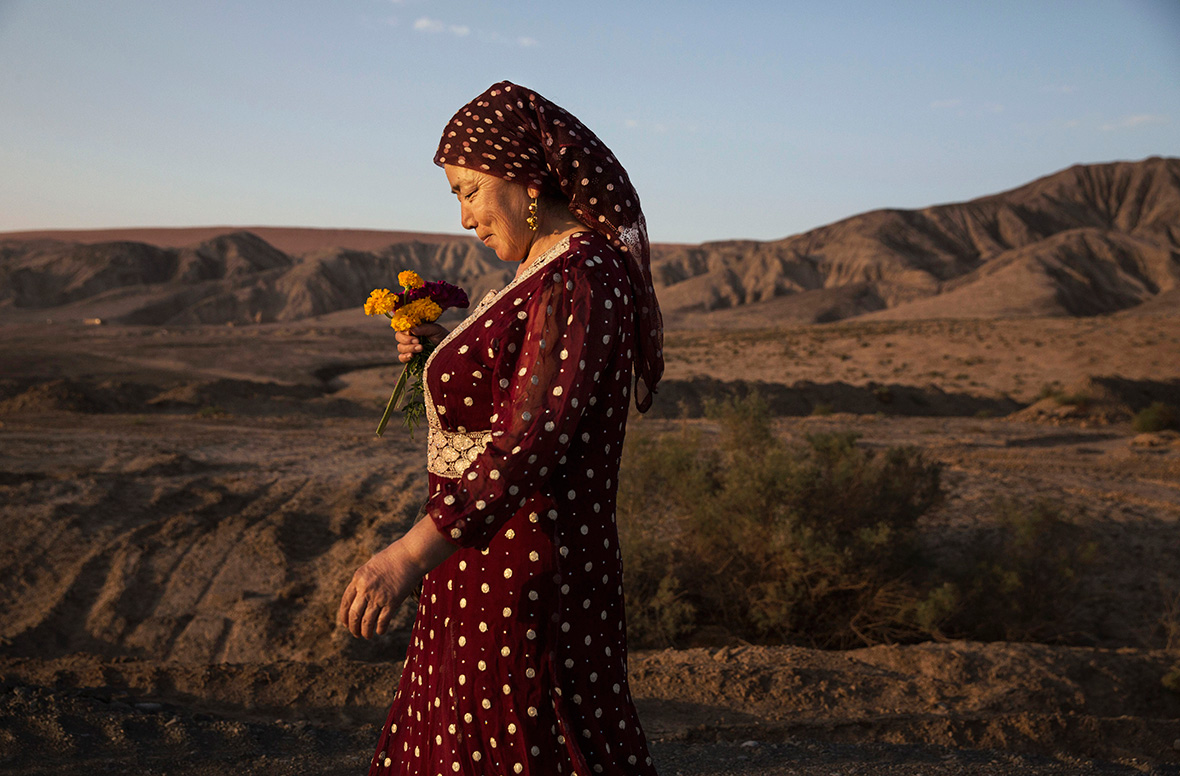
[418,302]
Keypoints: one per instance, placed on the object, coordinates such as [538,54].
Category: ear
[533,191]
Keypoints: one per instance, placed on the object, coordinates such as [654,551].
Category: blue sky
[736,120]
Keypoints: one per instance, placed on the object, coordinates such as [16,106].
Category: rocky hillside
[232,278]
[1088,240]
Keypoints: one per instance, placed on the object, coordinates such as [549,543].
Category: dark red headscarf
[516,134]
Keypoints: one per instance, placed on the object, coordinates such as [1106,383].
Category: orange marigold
[380,302]
[410,279]
[414,313]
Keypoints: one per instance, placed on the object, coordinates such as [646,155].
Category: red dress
[517,662]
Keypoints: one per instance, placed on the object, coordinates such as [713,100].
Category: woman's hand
[409,343]
[376,591]
[380,586]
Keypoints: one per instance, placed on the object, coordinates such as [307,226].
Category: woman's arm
[545,377]
[380,586]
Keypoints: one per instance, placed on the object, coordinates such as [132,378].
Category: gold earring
[533,222]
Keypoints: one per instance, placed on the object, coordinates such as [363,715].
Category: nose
[465,217]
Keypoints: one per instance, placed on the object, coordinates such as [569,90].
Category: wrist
[423,547]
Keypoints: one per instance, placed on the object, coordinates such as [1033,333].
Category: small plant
[1049,391]
[1169,621]
[822,408]
[1157,417]
[1171,680]
[211,411]
[1080,400]
[1015,582]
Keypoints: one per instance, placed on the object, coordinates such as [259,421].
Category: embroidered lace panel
[449,453]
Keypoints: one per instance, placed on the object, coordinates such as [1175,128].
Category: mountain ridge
[1087,240]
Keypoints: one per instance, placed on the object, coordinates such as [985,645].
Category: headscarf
[516,134]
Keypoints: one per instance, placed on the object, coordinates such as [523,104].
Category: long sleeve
[562,337]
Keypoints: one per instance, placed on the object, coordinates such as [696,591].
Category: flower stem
[398,389]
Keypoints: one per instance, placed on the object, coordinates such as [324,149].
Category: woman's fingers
[430,331]
[383,620]
[369,621]
[346,603]
[410,343]
[407,345]
[356,614]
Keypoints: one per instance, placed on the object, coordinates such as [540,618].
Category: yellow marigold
[409,279]
[409,316]
[380,302]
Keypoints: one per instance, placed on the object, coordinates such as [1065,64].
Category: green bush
[740,535]
[749,537]
[1016,582]
[1157,417]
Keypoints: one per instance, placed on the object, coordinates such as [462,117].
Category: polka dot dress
[518,662]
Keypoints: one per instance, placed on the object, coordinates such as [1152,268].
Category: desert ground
[187,486]
[183,506]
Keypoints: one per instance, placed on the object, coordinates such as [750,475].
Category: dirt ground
[182,508]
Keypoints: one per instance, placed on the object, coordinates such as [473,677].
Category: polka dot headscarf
[516,134]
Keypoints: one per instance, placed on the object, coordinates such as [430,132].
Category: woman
[517,662]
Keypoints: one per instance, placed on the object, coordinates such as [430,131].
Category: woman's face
[495,208]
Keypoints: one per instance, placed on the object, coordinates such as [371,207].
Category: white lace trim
[449,453]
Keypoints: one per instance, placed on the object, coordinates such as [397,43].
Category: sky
[735,120]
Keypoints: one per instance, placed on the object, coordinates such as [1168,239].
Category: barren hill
[229,278]
[1088,240]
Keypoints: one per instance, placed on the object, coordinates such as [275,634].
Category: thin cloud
[437,26]
[660,127]
[1137,120]
[423,24]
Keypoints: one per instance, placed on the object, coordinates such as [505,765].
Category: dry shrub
[1170,625]
[750,537]
[1016,581]
[742,536]
[1157,417]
